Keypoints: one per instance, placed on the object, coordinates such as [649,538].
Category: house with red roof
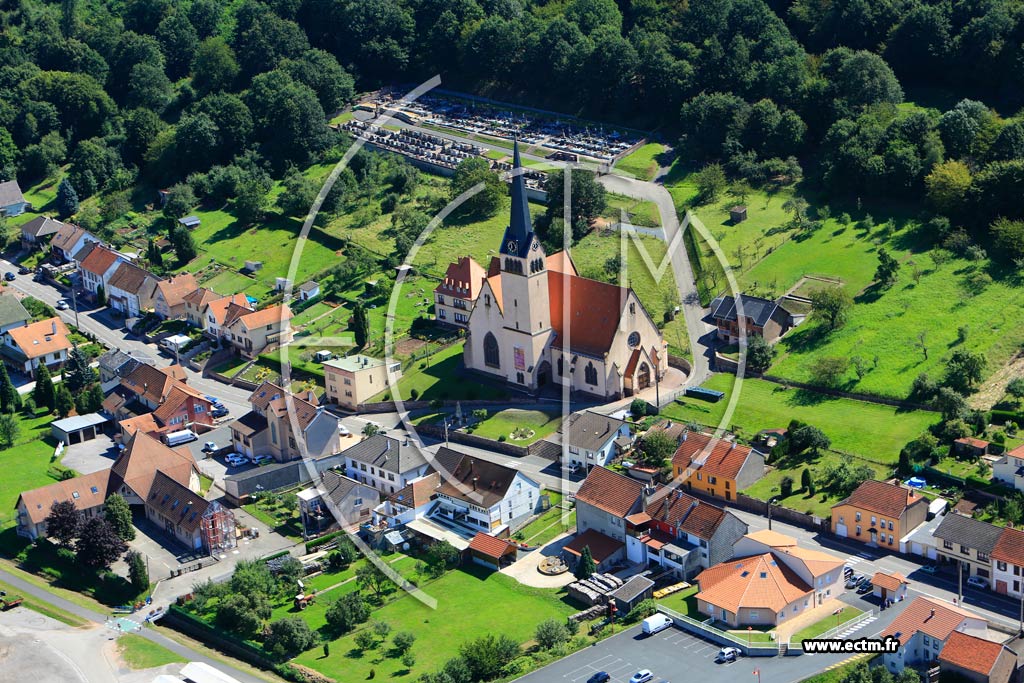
[1010,468]
[285,426]
[96,265]
[536,322]
[923,629]
[717,467]
[977,660]
[455,295]
[879,513]
[252,331]
[1008,563]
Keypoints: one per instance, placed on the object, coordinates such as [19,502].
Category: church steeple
[520,227]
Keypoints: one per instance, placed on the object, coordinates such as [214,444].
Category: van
[177,438]
[656,623]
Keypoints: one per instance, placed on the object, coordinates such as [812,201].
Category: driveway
[674,655]
[525,570]
[90,456]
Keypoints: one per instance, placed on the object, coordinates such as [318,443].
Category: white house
[130,289]
[42,343]
[69,240]
[96,265]
[595,440]
[1010,468]
[923,628]
[385,463]
[1008,563]
[12,202]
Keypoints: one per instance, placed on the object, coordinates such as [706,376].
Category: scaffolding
[218,528]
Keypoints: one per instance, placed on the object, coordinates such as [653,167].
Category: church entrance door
[643,376]
[544,374]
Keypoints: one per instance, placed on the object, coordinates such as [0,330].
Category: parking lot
[674,655]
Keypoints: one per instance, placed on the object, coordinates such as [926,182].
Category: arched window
[492,357]
[590,374]
[633,340]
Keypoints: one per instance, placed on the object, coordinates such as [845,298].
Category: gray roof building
[591,431]
[40,227]
[12,313]
[758,310]
[10,194]
[969,532]
[386,453]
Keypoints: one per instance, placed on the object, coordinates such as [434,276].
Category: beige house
[210,312]
[269,429]
[169,298]
[455,296]
[352,381]
[41,343]
[879,514]
[253,331]
[537,322]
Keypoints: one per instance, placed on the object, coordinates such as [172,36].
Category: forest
[227,95]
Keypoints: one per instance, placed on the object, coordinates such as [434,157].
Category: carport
[72,430]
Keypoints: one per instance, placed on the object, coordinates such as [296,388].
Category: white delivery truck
[177,438]
[655,623]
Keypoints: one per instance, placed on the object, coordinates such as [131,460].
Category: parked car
[210,446]
[62,305]
[219,411]
[728,654]
[24,270]
[930,569]
[864,588]
[343,430]
[9,276]
[854,581]
[262,459]
[641,676]
[599,677]
[848,571]
[977,582]
[235,459]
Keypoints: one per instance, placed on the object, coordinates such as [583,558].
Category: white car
[728,654]
[642,676]
[262,459]
[62,305]
[977,582]
[235,459]
[343,430]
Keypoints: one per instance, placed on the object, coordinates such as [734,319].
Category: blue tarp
[916,482]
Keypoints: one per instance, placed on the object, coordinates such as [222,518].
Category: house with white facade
[924,627]
[69,240]
[96,265]
[130,290]
[1008,563]
[12,201]
[385,463]
[41,343]
[595,440]
[1010,468]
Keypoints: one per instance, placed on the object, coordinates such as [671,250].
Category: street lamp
[771,502]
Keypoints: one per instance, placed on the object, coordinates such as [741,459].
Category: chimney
[608,427]
[53,327]
[474,485]
[685,433]
[732,445]
[932,613]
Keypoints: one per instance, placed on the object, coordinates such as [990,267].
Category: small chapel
[536,322]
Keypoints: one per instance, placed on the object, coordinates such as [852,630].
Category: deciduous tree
[98,545]
[117,512]
[63,523]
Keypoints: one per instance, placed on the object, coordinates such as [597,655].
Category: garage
[72,430]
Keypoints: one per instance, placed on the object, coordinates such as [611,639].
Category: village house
[353,380]
[114,365]
[169,297]
[455,295]
[681,533]
[968,542]
[714,466]
[1010,468]
[39,231]
[595,440]
[254,331]
[923,629]
[96,265]
[12,315]
[12,201]
[385,463]
[157,401]
[336,500]
[267,429]
[40,343]
[977,660]
[603,502]
[130,290]
[879,514]
[761,318]
[1008,563]
[210,312]
[69,240]
[819,570]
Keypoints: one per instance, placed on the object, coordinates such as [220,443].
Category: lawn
[231,367]
[44,608]
[470,602]
[26,464]
[869,430]
[306,316]
[684,601]
[960,468]
[549,524]
[826,623]
[279,512]
[641,162]
[437,377]
[520,427]
[140,653]
[638,212]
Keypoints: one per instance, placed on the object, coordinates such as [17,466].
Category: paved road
[188,653]
[697,330]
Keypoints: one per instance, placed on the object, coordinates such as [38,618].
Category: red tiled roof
[971,441]
[724,458]
[202,296]
[226,310]
[278,313]
[41,338]
[1010,547]
[463,279]
[601,547]
[890,582]
[594,309]
[933,618]
[488,545]
[561,262]
[689,514]
[610,491]
[889,500]
[971,653]
[99,260]
[177,288]
[758,582]
[78,490]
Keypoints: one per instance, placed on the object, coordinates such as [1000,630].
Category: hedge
[312,545]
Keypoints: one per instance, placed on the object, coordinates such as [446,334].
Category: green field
[642,162]
[436,377]
[684,601]
[25,465]
[470,603]
[869,430]
[826,623]
[505,422]
[139,653]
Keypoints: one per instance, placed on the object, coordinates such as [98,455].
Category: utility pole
[960,582]
[446,432]
[770,503]
[74,304]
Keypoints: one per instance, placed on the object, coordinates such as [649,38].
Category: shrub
[550,633]
[786,486]
[365,640]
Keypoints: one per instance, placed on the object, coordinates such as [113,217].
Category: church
[536,322]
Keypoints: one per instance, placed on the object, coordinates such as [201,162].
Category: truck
[655,623]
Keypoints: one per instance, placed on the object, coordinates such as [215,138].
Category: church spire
[517,236]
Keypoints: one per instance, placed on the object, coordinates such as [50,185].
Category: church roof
[594,309]
[516,241]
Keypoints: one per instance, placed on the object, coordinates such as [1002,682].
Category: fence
[705,630]
[846,625]
[760,507]
[475,441]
